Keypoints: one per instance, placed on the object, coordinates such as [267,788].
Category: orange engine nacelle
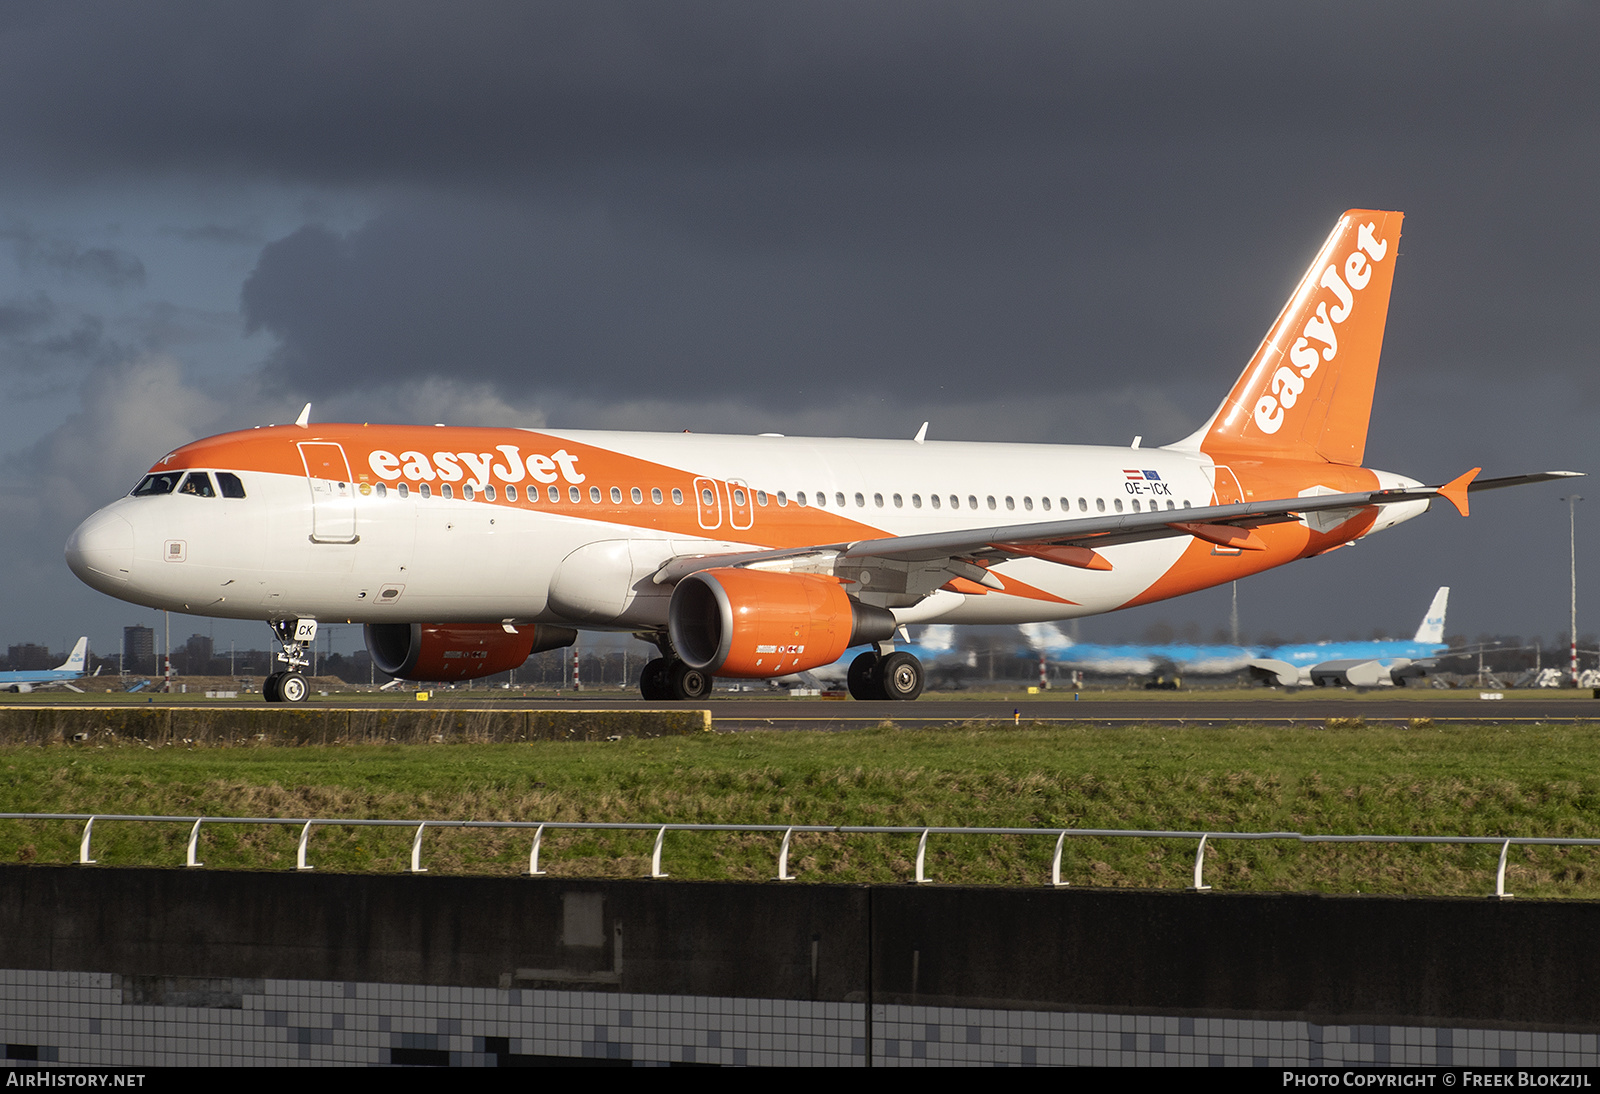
[457,651]
[752,623]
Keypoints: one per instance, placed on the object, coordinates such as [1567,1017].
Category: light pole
[1572,501]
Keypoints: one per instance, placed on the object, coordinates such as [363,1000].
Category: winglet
[305,416]
[1455,491]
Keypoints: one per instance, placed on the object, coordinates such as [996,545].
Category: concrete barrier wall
[318,725]
[1306,957]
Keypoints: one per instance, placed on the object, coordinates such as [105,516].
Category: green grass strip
[1482,780]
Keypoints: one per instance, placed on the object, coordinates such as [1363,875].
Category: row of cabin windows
[196,484]
[574,494]
[740,498]
[938,501]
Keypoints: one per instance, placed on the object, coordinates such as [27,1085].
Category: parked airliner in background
[1364,664]
[465,550]
[71,669]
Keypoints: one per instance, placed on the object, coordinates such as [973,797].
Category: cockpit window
[161,483]
[231,486]
[198,483]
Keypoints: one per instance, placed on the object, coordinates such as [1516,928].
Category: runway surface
[832,714]
[763,711]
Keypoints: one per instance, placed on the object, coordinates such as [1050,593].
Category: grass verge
[1494,780]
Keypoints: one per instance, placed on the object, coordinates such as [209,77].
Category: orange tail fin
[1307,393]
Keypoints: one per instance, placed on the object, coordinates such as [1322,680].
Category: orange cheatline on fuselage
[530,461]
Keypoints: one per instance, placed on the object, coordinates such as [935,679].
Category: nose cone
[100,552]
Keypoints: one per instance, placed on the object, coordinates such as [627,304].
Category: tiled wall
[106,1019]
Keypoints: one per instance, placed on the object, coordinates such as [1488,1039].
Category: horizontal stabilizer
[1522,480]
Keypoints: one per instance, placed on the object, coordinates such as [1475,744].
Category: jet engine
[755,623]
[458,651]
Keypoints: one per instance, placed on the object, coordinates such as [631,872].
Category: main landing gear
[885,676]
[288,685]
[669,678]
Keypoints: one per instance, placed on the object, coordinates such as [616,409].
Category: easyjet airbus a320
[466,550]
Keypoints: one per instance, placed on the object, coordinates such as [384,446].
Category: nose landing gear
[288,685]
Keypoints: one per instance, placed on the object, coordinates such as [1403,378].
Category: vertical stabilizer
[1432,629]
[1307,393]
[74,661]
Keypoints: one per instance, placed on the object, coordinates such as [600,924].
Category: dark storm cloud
[741,195]
[586,302]
[22,317]
[346,89]
[105,266]
[39,336]
[223,234]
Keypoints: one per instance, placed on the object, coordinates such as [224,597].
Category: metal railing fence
[538,828]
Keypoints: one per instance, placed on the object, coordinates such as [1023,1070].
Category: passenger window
[1083,505]
[1044,503]
[1171,504]
[404,490]
[1011,503]
[446,491]
[488,492]
[838,499]
[616,495]
[1027,503]
[594,495]
[198,484]
[738,496]
[1118,503]
[916,501]
[655,494]
[1100,505]
[425,490]
[861,502]
[783,499]
[800,498]
[555,494]
[637,495]
[233,488]
[761,497]
[1135,505]
[573,495]
[898,504]
[677,496]
[707,497]
[933,500]
[511,493]
[991,502]
[382,490]
[822,499]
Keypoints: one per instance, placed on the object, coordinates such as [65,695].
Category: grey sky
[1033,221]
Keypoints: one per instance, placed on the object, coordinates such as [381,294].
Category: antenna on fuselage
[305,416]
[922,434]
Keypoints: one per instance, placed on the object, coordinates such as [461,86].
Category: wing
[906,569]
